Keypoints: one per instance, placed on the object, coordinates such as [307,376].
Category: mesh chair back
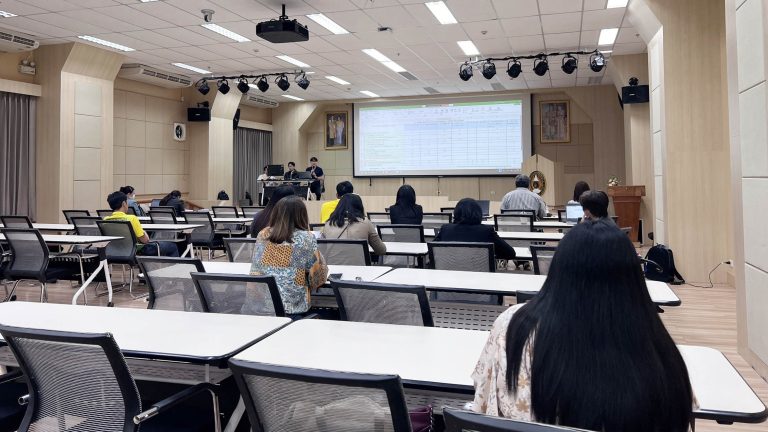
[316,226]
[250,211]
[76,381]
[69,214]
[86,225]
[379,217]
[436,220]
[345,252]
[240,249]
[466,421]
[285,399]
[462,256]
[382,303]
[170,283]
[16,221]
[104,213]
[162,215]
[519,211]
[561,215]
[131,211]
[401,233]
[121,251]
[447,209]
[239,294]
[542,258]
[513,222]
[225,211]
[166,208]
[525,296]
[206,232]
[29,253]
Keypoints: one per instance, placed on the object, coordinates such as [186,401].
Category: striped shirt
[523,199]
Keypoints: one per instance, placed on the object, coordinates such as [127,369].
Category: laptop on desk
[573,213]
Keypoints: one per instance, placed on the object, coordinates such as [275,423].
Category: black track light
[223,86]
[242,85]
[540,66]
[282,82]
[570,64]
[203,87]
[597,61]
[302,81]
[489,69]
[465,71]
[263,84]
[514,68]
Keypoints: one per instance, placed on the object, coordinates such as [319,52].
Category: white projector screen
[446,137]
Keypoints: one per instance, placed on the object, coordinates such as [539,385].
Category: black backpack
[665,271]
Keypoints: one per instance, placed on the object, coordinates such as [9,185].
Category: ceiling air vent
[150,75]
[258,101]
[431,90]
[409,76]
[16,42]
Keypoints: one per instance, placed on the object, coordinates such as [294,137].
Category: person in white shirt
[523,199]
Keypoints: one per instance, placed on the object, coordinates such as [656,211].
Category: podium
[626,204]
[548,175]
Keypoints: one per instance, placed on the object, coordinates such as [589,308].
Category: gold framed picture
[555,119]
[336,130]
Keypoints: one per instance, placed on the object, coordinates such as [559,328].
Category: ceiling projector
[282,30]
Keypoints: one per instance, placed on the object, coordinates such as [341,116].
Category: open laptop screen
[573,212]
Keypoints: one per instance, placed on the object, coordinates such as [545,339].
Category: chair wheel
[13,298]
[110,304]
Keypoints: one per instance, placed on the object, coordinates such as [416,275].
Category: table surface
[191,337]
[541,224]
[366,273]
[509,235]
[443,358]
[73,239]
[147,227]
[498,283]
[234,220]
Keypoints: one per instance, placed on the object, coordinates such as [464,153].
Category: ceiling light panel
[328,23]
[293,97]
[468,47]
[616,4]
[369,93]
[376,55]
[292,61]
[4,14]
[607,36]
[441,12]
[107,43]
[225,32]
[337,80]
[191,68]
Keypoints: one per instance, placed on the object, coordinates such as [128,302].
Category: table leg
[103,266]
[187,251]
[237,414]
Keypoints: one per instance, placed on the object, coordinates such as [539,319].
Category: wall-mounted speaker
[198,114]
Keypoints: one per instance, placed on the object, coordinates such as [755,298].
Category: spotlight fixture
[223,86]
[242,85]
[596,62]
[514,68]
[570,64]
[203,87]
[282,82]
[302,81]
[489,69]
[540,66]
[263,84]
[465,71]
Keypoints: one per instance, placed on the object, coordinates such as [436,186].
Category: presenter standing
[318,178]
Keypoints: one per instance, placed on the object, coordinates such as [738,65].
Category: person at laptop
[595,205]
[405,210]
[578,189]
[118,202]
[291,174]
[523,199]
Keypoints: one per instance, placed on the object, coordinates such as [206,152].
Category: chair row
[509,220]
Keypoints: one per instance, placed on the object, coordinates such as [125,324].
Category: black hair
[601,357]
[350,208]
[261,219]
[596,202]
[170,196]
[467,212]
[579,189]
[406,196]
[127,190]
[522,180]
[344,188]
[116,200]
[313,159]
[265,167]
[292,163]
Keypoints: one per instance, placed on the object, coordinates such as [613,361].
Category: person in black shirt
[291,174]
[406,211]
[317,178]
[467,227]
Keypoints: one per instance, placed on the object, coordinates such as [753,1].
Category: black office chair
[436,220]
[463,256]
[466,421]
[105,212]
[80,381]
[345,252]
[250,211]
[86,225]
[12,387]
[401,233]
[206,237]
[235,229]
[69,214]
[514,221]
[122,251]
[280,398]
[240,249]
[225,211]
[542,258]
[382,303]
[170,283]
[447,209]
[379,217]
[16,221]
[239,294]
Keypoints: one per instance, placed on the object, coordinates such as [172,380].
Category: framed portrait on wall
[555,118]
[336,130]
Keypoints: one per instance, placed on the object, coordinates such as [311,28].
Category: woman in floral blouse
[589,351]
[287,250]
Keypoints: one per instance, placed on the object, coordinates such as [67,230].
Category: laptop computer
[155,203]
[573,213]
[485,206]
[304,175]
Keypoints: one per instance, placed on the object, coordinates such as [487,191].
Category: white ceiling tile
[347,42]
[92,16]
[93,3]
[559,6]
[489,47]
[561,23]
[169,13]
[600,19]
[526,44]
[36,28]
[192,38]
[259,64]
[561,41]
[148,59]
[430,51]
[234,67]
[21,8]
[67,23]
[379,40]
[422,15]
[52,5]
[628,35]
[294,49]
[589,39]
[484,30]
[331,5]
[128,41]
[393,16]
[630,48]
[317,44]
[353,21]
[134,16]
[194,7]
[179,55]
[474,10]
[594,4]
[525,26]
[560,83]
[446,33]
[411,35]
[516,9]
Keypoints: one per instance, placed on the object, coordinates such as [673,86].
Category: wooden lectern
[626,203]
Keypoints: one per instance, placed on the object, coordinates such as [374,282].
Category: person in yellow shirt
[327,208]
[118,202]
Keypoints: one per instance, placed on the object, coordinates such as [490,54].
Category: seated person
[348,222]
[595,205]
[406,211]
[261,219]
[468,226]
[568,356]
[132,203]
[118,202]
[523,199]
[327,208]
[291,174]
[578,190]
[174,200]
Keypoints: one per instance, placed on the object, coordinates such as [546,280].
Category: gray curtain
[17,154]
[253,150]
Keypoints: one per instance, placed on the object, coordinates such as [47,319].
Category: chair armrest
[173,400]
[11,376]
[23,400]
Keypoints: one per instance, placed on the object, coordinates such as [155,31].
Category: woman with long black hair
[589,351]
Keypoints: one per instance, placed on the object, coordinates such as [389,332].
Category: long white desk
[541,224]
[365,273]
[443,360]
[421,249]
[510,235]
[218,220]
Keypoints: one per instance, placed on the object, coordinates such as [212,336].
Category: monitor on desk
[275,170]
[304,175]
[573,213]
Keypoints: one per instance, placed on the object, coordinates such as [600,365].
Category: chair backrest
[16,221]
[627,231]
[287,399]
[131,211]
[513,222]
[225,211]
[239,294]
[345,252]
[379,217]
[29,253]
[76,381]
[467,421]
[542,258]
[316,226]
[525,296]
[250,211]
[240,249]
[447,209]
[382,303]
[436,220]
[105,212]
[69,214]
[162,215]
[121,251]
[206,232]
[401,233]
[170,283]
[561,215]
[86,225]
[485,206]
[519,211]
[159,207]
[463,256]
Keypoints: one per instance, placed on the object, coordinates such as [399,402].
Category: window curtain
[253,150]
[17,154]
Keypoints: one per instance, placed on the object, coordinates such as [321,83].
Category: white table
[507,235]
[366,273]
[223,220]
[542,224]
